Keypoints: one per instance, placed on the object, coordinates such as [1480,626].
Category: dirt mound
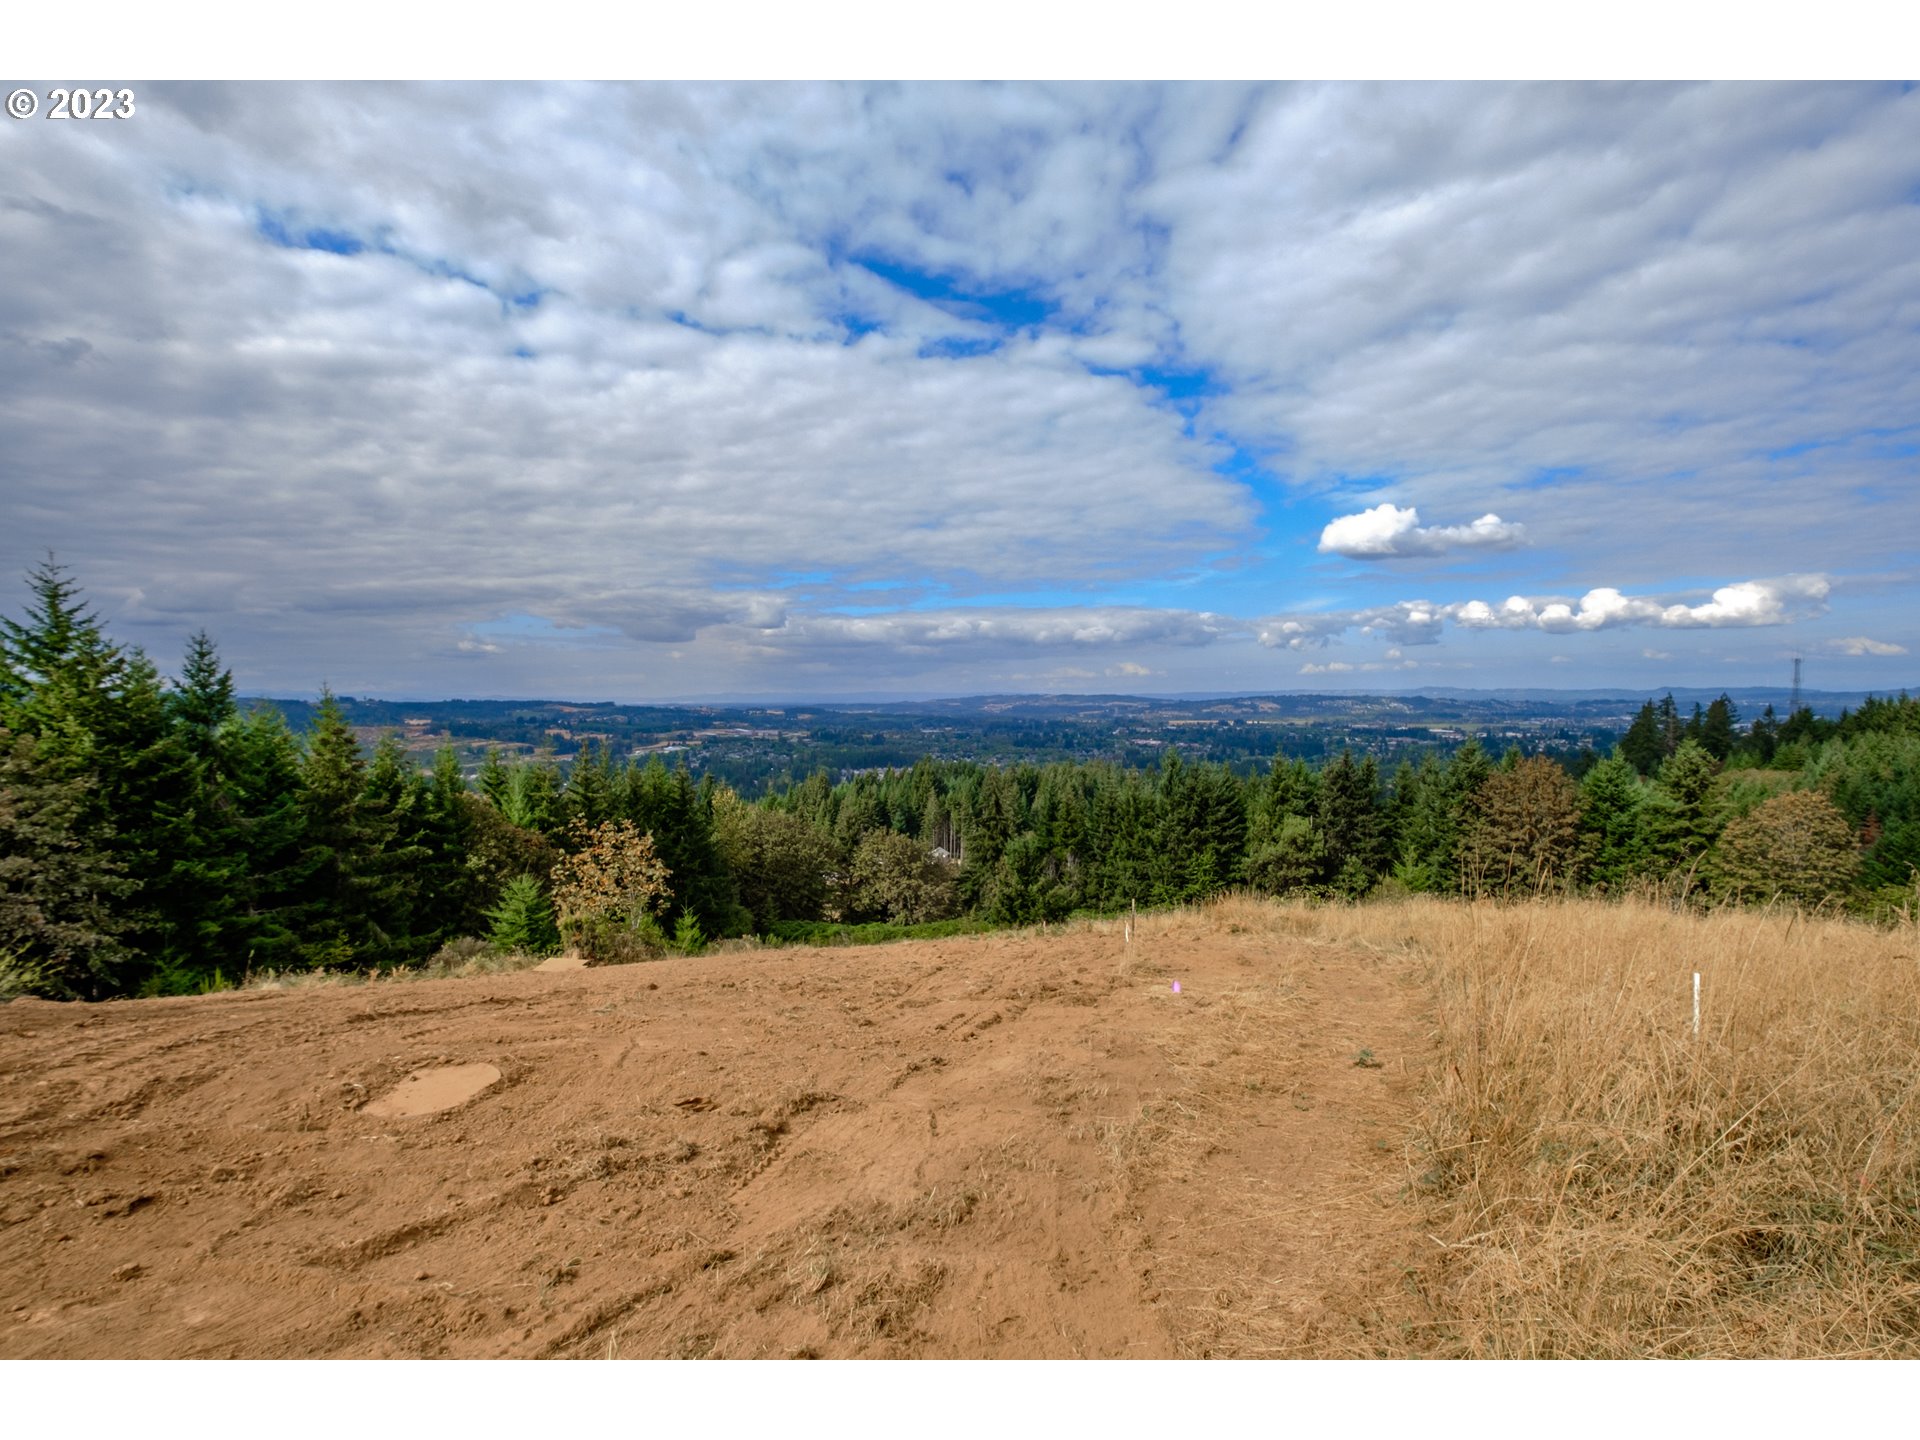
[993,1146]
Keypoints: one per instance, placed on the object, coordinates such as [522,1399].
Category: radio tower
[1793,705]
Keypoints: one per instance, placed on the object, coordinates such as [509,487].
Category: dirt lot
[993,1146]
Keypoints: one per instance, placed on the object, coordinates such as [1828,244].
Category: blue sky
[660,390]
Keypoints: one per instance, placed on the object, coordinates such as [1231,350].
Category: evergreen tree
[393,866]
[991,823]
[495,781]
[522,923]
[1641,746]
[1764,736]
[336,919]
[589,794]
[198,902]
[1203,834]
[98,715]
[1432,828]
[1525,834]
[1680,821]
[1292,860]
[59,930]
[667,806]
[267,792]
[1350,820]
[534,801]
[449,903]
[1716,730]
[1672,731]
[1610,823]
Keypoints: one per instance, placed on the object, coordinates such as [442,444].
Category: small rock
[127,1272]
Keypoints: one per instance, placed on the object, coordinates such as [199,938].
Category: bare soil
[1011,1145]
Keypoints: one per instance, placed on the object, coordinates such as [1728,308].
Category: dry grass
[449,964]
[1600,1182]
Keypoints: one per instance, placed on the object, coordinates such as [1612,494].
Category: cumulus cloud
[1749,602]
[1420,622]
[1389,532]
[1861,645]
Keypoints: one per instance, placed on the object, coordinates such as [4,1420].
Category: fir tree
[523,923]
[495,781]
[59,930]
[1349,819]
[1610,824]
[1716,730]
[267,791]
[1641,746]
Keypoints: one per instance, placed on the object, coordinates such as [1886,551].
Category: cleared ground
[993,1146]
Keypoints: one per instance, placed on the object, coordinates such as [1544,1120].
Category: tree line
[157,838]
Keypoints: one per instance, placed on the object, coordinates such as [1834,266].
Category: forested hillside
[155,838]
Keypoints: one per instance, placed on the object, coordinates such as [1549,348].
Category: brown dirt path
[994,1146]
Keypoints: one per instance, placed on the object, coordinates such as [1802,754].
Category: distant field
[1420,1128]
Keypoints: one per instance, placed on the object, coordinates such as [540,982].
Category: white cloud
[1624,312]
[1005,628]
[1421,622]
[1657,654]
[1387,531]
[1861,645]
[1130,669]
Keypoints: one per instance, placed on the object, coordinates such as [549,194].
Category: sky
[665,390]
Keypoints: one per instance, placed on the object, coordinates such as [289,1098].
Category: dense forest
[157,838]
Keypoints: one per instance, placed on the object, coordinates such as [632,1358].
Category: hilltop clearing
[1396,1129]
[1004,1145]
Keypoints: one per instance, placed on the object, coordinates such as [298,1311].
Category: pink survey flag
[1176,987]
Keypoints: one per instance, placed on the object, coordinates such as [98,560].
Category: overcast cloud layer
[653,391]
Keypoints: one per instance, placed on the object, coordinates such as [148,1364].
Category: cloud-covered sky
[649,391]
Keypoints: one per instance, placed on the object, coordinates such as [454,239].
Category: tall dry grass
[1597,1181]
